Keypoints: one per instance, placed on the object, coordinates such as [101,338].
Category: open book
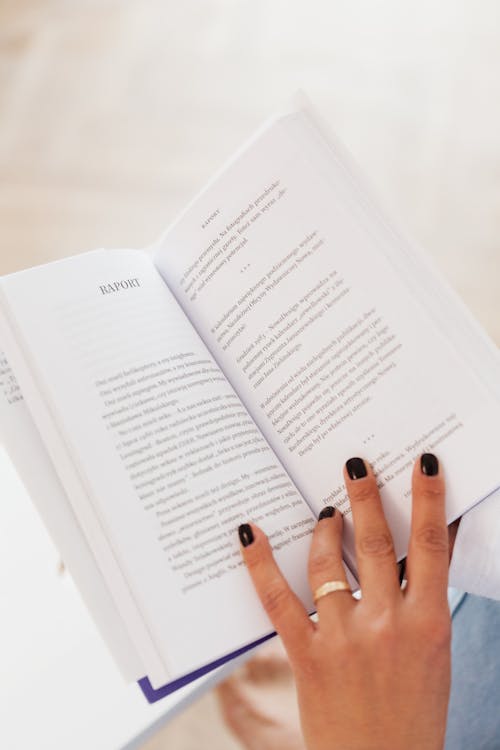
[279,327]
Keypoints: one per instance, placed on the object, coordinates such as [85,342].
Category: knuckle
[342,649]
[360,493]
[376,544]
[345,639]
[253,558]
[441,632]
[435,629]
[275,598]
[432,538]
[431,492]
[322,562]
[384,631]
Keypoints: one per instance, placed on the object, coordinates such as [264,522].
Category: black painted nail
[356,468]
[429,465]
[327,512]
[246,534]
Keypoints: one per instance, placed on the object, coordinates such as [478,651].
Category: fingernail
[327,512]
[429,465]
[246,534]
[356,468]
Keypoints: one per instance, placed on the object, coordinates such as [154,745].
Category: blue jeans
[474,710]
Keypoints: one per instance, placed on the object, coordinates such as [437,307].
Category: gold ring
[329,587]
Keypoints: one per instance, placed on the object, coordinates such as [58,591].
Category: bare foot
[259,702]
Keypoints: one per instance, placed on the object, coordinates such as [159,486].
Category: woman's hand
[372,674]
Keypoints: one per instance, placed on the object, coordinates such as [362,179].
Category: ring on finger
[329,588]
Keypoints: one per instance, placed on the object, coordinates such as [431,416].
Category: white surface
[59,686]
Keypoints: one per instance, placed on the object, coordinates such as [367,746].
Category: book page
[31,460]
[295,288]
[170,459]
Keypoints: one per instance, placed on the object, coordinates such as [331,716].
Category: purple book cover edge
[156,694]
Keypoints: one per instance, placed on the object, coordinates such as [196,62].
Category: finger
[452,535]
[325,564]
[428,556]
[283,607]
[375,556]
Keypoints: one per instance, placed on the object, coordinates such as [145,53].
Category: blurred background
[114,113]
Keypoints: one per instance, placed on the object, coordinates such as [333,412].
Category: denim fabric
[474,710]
